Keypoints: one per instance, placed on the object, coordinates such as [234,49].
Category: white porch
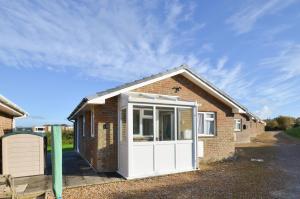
[157,135]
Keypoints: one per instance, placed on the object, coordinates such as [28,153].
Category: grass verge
[295,132]
[65,147]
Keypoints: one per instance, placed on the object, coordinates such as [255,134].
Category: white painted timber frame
[152,158]
[235,123]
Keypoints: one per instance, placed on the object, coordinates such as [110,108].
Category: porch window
[142,123]
[206,123]
[237,125]
[166,126]
[185,123]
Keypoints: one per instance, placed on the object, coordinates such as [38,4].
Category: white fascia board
[213,91]
[96,101]
[74,115]
[11,111]
[152,95]
[159,101]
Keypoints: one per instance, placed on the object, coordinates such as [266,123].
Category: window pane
[185,124]
[124,126]
[136,122]
[143,124]
[210,115]
[148,127]
[200,123]
[148,112]
[166,124]
[238,124]
[210,127]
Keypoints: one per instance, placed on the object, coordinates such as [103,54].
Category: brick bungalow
[162,124]
[8,112]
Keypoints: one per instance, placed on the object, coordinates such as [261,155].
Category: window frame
[241,125]
[178,125]
[143,116]
[173,122]
[204,123]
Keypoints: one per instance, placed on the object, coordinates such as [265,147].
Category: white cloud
[287,62]
[102,39]
[265,112]
[123,41]
[244,20]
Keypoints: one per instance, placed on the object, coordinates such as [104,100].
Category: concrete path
[76,172]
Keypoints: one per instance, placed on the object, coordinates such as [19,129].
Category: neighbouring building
[64,127]
[162,124]
[8,112]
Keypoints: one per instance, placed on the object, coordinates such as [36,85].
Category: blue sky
[53,53]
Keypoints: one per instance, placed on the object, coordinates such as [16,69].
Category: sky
[54,53]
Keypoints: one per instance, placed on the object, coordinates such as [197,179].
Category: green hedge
[67,140]
[295,132]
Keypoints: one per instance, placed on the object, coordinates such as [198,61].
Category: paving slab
[76,172]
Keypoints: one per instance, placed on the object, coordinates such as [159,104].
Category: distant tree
[271,125]
[297,122]
[285,122]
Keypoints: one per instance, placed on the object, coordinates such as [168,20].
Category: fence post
[56,157]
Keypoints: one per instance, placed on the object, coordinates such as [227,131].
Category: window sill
[237,130]
[206,136]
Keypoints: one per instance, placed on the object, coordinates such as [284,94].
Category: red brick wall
[215,148]
[6,123]
[87,144]
[244,135]
[253,128]
[107,116]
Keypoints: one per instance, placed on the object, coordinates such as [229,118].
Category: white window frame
[204,123]
[83,125]
[92,123]
[235,122]
[143,116]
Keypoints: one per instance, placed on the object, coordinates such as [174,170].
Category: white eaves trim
[11,111]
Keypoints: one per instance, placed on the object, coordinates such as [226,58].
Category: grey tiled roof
[111,90]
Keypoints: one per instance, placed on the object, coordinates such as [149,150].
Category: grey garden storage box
[23,154]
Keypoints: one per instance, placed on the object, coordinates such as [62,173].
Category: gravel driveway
[278,176]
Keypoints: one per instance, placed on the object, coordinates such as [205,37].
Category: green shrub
[285,122]
[271,125]
[297,122]
[67,137]
[295,132]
